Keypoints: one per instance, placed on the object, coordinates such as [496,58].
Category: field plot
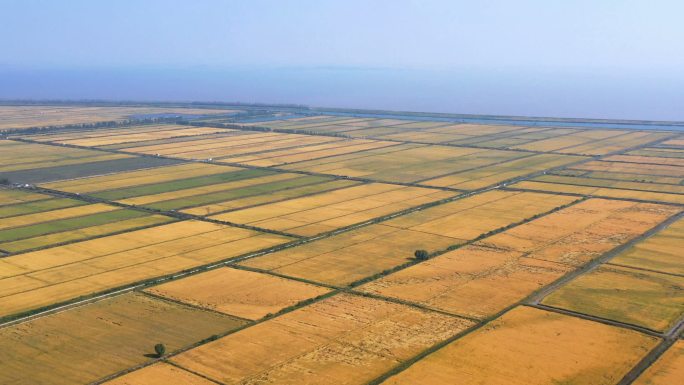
[357,254]
[344,339]
[481,279]
[106,137]
[407,162]
[263,149]
[35,163]
[594,142]
[620,176]
[50,220]
[667,370]
[660,253]
[16,117]
[490,175]
[15,202]
[199,188]
[328,211]
[473,281]
[15,156]
[41,278]
[92,341]
[527,346]
[648,299]
[240,293]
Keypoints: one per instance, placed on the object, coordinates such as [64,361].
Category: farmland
[111,335]
[483,278]
[530,346]
[295,246]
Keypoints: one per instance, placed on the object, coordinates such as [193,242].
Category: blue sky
[625,43]
[415,34]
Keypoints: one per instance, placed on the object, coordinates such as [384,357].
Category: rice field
[351,256]
[42,278]
[289,246]
[241,293]
[118,136]
[643,298]
[527,346]
[328,211]
[96,340]
[342,339]
[486,277]
[669,369]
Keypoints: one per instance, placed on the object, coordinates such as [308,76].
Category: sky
[599,58]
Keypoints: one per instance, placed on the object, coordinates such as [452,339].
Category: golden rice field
[669,369]
[288,246]
[92,341]
[120,136]
[488,276]
[348,257]
[342,339]
[241,293]
[527,346]
[36,279]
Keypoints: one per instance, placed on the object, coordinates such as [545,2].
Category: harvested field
[240,293]
[667,370]
[328,211]
[99,339]
[484,278]
[339,260]
[637,297]
[42,278]
[341,340]
[527,346]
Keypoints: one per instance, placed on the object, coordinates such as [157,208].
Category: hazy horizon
[611,59]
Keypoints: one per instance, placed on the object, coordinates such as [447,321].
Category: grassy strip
[69,237]
[37,206]
[18,233]
[236,193]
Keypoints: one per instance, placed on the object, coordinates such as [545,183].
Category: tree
[421,255]
[4,181]
[160,349]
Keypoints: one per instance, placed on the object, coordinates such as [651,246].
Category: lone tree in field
[4,181]
[421,255]
[160,349]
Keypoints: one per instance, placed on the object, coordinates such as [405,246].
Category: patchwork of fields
[304,248]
